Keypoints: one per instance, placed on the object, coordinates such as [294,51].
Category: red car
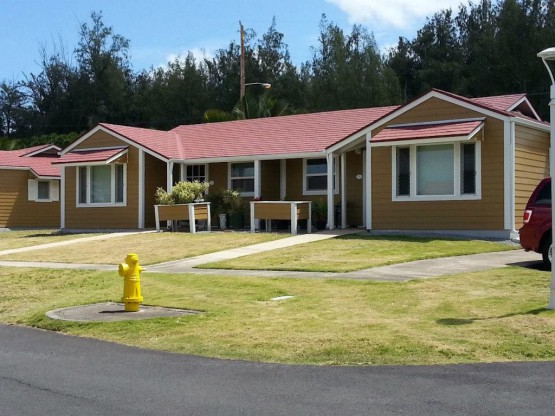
[535,234]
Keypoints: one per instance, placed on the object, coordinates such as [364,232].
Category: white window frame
[457,195]
[321,191]
[230,179]
[90,204]
[186,177]
[53,190]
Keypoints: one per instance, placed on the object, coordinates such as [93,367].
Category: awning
[461,130]
[93,156]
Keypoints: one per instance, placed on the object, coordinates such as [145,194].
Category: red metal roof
[499,102]
[40,166]
[163,143]
[426,131]
[86,156]
[303,133]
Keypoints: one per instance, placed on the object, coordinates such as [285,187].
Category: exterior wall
[155,177]
[484,214]
[105,217]
[15,208]
[531,165]
[270,179]
[217,173]
[100,139]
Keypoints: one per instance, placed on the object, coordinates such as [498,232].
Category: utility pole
[242,92]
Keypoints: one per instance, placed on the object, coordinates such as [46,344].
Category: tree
[104,84]
[12,108]
[347,71]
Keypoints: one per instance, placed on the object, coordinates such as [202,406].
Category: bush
[182,193]
[225,201]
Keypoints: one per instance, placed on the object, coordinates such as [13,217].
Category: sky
[161,30]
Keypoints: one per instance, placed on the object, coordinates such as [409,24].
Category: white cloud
[398,13]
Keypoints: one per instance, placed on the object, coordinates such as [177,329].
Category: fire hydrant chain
[131,272]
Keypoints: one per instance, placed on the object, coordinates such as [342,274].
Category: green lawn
[17,239]
[357,252]
[496,315]
[151,247]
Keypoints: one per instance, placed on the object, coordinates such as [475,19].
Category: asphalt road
[44,373]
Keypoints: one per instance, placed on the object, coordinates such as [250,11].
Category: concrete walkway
[178,266]
[421,269]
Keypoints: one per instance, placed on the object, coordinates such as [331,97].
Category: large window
[102,185]
[315,176]
[443,171]
[241,178]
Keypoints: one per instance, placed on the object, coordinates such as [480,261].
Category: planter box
[281,210]
[191,212]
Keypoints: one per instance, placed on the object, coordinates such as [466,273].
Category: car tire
[546,252]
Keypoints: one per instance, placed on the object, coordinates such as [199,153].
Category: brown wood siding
[484,214]
[100,139]
[155,177]
[15,208]
[353,189]
[270,174]
[531,165]
[105,217]
[433,109]
[217,173]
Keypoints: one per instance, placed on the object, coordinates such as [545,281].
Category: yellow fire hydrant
[130,270]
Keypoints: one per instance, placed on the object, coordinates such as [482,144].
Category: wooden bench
[281,210]
[192,212]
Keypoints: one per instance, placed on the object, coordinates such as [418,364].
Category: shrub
[182,193]
[225,201]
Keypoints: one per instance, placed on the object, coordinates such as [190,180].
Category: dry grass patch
[496,315]
[356,252]
[18,239]
[151,247]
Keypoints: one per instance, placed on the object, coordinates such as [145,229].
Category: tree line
[483,48]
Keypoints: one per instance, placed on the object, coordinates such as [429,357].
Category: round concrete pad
[110,311]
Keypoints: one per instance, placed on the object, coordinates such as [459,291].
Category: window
[315,176]
[195,173]
[437,172]
[403,171]
[241,177]
[102,185]
[434,170]
[43,190]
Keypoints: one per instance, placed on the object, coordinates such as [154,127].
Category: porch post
[282,179]
[368,182]
[181,172]
[169,183]
[257,188]
[141,196]
[331,220]
[257,179]
[169,176]
[343,191]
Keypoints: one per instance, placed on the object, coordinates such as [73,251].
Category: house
[29,188]
[441,163]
